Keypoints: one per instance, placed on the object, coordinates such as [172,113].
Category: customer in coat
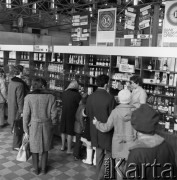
[100,104]
[151,157]
[119,120]
[3,97]
[39,116]
[17,90]
[70,102]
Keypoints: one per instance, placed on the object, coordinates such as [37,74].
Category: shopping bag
[24,151]
[18,126]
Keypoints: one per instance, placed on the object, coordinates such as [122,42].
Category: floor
[61,166]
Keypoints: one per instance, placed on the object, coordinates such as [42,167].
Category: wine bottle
[167,124]
[150,65]
[165,66]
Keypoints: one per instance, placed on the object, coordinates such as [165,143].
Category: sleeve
[105,127]
[26,115]
[112,104]
[143,97]
[20,97]
[54,111]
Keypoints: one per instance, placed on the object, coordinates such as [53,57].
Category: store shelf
[160,95]
[162,71]
[164,85]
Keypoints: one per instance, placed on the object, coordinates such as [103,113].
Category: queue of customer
[111,130]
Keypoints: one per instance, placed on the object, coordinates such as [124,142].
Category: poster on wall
[106,27]
[169,34]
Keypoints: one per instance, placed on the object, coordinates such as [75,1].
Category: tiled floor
[61,166]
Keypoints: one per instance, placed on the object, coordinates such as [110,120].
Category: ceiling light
[52,5]
[24,1]
[34,8]
[135,2]
[8,4]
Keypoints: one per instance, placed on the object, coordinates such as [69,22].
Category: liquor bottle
[175,126]
[151,89]
[165,66]
[167,124]
[170,107]
[155,104]
[150,65]
[173,107]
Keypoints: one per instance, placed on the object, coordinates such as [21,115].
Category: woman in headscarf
[70,102]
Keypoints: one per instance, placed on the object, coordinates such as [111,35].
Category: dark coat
[79,125]
[99,105]
[153,151]
[70,103]
[39,114]
[17,90]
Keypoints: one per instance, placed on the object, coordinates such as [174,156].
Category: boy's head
[124,96]
[144,119]
[102,80]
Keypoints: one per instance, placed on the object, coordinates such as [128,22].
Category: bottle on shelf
[175,126]
[165,66]
[167,124]
[150,65]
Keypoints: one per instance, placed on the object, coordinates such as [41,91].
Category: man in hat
[17,90]
[150,157]
[99,105]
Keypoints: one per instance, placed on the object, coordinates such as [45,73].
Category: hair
[38,83]
[16,70]
[137,79]
[101,80]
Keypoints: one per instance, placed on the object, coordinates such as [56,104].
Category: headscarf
[73,85]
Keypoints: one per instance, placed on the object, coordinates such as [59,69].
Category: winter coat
[16,93]
[124,134]
[70,103]
[39,114]
[79,125]
[99,105]
[150,150]
[3,91]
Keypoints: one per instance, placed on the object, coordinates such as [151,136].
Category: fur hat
[144,119]
[124,96]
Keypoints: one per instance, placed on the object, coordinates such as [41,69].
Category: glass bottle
[165,66]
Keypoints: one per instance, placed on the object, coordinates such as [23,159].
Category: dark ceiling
[54,14]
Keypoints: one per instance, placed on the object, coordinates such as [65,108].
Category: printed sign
[170,23]
[106,27]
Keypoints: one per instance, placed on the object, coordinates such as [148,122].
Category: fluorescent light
[135,2]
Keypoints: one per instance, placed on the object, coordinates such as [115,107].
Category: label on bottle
[167,125]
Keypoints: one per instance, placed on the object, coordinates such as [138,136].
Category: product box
[175,79]
[149,81]
[175,65]
[172,64]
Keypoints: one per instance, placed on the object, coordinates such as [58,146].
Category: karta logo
[134,171]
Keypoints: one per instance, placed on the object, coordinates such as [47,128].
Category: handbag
[24,151]
[18,126]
